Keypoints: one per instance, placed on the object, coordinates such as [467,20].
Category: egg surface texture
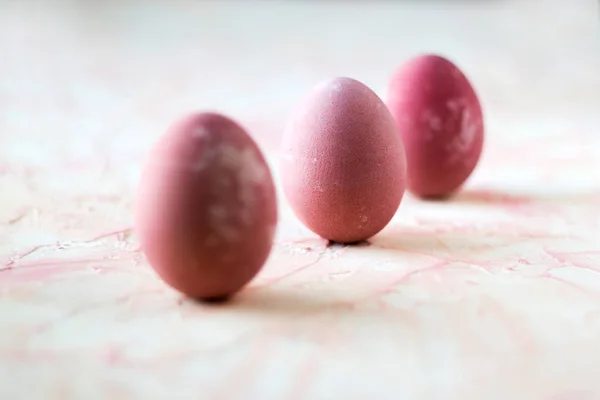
[206,207]
[440,119]
[342,162]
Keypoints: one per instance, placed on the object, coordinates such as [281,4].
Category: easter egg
[342,162]
[206,209]
[440,120]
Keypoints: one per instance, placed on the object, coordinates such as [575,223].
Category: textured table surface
[492,295]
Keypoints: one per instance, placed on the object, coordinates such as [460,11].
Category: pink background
[493,295]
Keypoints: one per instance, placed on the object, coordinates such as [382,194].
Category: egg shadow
[289,301]
[492,197]
[496,197]
[438,245]
[475,196]
[278,302]
[456,244]
[362,243]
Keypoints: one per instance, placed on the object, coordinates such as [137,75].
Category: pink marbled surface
[493,295]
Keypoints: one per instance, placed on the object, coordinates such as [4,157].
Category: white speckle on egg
[219,220]
[433,122]
[200,164]
[332,86]
[454,104]
[200,132]
[335,86]
[245,167]
[363,219]
[465,138]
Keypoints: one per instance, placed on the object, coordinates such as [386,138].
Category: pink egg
[342,162]
[440,120]
[206,207]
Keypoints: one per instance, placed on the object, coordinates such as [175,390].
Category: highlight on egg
[206,210]
[440,119]
[342,162]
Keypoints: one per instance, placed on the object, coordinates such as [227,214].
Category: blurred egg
[206,207]
[342,162]
[440,120]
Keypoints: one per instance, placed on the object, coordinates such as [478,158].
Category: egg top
[440,119]
[206,207]
[343,163]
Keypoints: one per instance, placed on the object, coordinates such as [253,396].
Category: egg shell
[342,162]
[440,119]
[206,207]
